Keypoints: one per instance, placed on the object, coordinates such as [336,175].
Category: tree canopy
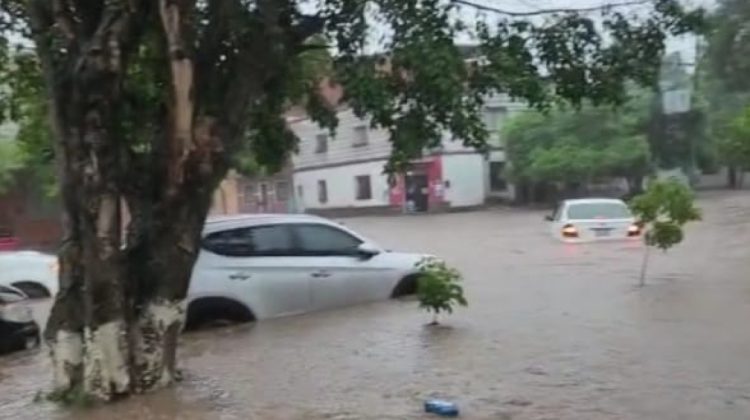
[578,146]
[723,88]
[734,144]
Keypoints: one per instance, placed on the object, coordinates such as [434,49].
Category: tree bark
[115,323]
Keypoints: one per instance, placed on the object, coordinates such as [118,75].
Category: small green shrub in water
[663,210]
[75,397]
[438,288]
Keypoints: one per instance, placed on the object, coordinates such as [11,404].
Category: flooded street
[553,332]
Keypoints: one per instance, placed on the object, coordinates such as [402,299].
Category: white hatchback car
[32,272]
[264,266]
[593,219]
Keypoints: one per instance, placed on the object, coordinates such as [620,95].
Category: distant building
[344,175]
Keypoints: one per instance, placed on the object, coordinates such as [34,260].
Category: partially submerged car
[593,219]
[18,330]
[262,266]
[34,273]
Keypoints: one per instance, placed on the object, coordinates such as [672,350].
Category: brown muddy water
[553,333]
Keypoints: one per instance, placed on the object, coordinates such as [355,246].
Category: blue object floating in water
[441,407]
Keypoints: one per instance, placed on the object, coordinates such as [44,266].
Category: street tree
[723,84]
[11,162]
[148,102]
[663,210]
[439,288]
[734,142]
[729,44]
[573,147]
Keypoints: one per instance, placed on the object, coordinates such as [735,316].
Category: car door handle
[239,276]
[321,274]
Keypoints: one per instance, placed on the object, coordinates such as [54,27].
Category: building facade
[344,174]
[260,194]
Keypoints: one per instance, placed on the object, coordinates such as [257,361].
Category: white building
[345,174]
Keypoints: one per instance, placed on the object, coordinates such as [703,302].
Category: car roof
[593,201]
[223,222]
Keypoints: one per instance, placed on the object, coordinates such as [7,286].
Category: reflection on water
[552,332]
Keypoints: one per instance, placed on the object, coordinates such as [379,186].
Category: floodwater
[553,332]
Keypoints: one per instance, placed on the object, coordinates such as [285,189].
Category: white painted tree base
[66,352]
[105,361]
[100,357]
[155,346]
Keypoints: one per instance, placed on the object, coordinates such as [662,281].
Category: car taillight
[634,230]
[569,231]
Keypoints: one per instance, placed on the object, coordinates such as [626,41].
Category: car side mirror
[367,251]
[548,218]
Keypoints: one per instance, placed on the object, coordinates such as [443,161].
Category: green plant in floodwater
[438,288]
[663,210]
[74,397]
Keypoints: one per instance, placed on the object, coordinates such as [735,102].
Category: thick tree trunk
[115,325]
[116,321]
[125,339]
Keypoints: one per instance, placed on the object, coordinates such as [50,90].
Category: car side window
[323,240]
[256,241]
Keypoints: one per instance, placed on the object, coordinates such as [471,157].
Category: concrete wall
[466,175]
[341,186]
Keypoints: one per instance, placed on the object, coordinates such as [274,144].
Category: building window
[497,177]
[264,194]
[360,136]
[322,192]
[493,118]
[282,190]
[300,191]
[248,193]
[321,143]
[364,187]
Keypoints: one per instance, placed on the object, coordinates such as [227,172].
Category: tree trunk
[116,321]
[732,177]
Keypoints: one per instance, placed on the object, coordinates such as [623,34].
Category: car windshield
[603,210]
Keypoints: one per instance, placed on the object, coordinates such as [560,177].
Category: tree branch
[63,20]
[540,12]
[182,107]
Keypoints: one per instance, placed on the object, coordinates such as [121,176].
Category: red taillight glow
[634,230]
[570,231]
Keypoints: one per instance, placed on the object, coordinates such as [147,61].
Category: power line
[538,12]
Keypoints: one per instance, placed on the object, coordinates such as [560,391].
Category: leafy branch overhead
[250,61]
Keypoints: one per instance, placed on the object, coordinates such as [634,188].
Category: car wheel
[406,287]
[207,311]
[33,290]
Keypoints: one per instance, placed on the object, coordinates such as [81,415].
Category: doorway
[417,192]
